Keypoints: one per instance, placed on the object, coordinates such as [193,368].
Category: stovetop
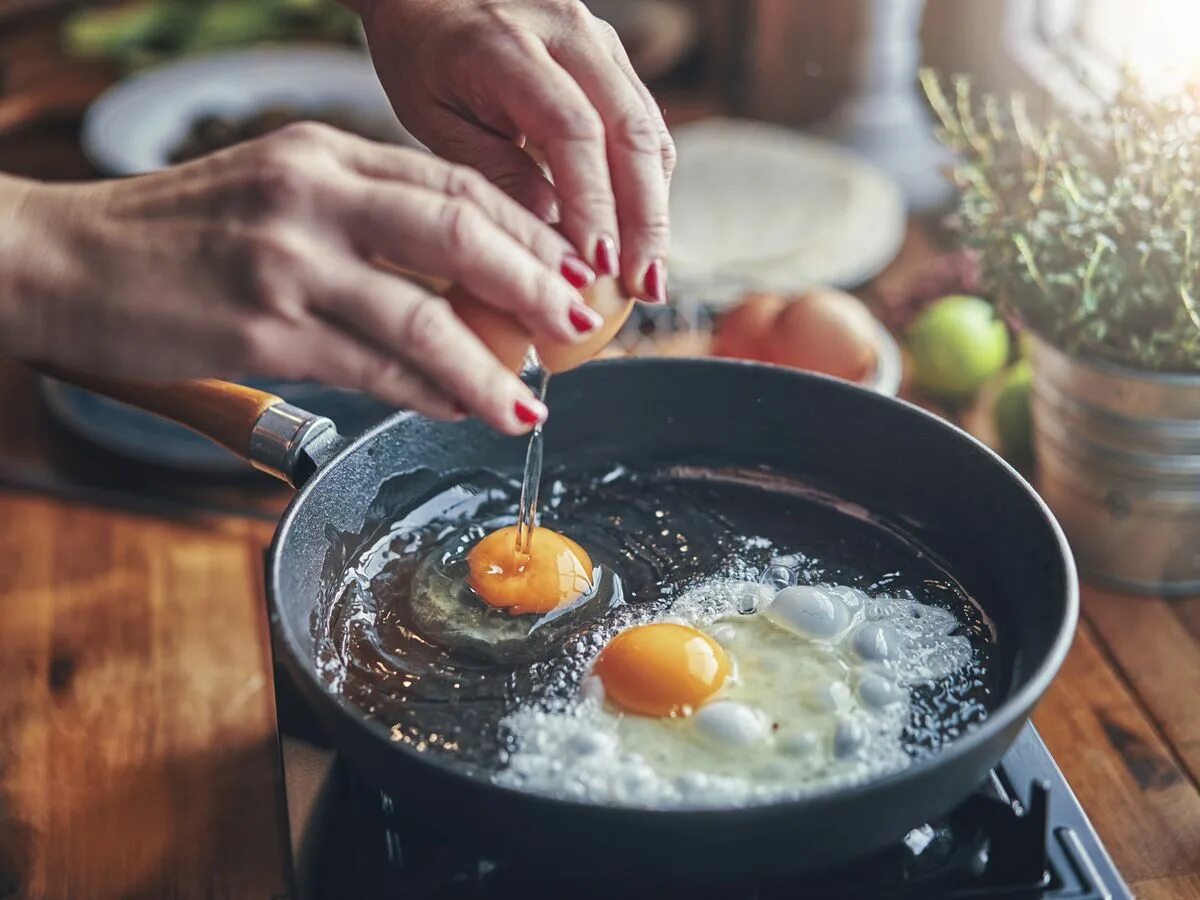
[1022,834]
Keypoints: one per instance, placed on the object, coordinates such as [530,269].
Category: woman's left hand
[481,81]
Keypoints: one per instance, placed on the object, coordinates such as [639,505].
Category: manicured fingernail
[606,256]
[530,411]
[655,282]
[578,273]
[584,318]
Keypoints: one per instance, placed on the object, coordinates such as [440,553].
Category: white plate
[761,207]
[133,127]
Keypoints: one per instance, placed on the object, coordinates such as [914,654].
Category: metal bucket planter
[1118,455]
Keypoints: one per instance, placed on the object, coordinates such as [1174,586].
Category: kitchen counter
[138,750]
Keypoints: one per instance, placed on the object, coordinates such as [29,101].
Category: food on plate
[554,572]
[146,31]
[957,344]
[212,132]
[824,331]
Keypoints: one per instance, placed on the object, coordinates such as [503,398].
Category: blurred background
[813,179]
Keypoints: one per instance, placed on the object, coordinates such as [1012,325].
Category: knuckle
[428,325]
[467,184]
[654,227]
[542,297]
[669,154]
[463,225]
[637,133]
[573,13]
[607,34]
[275,258]
[305,133]
[497,28]
[578,122]
[281,179]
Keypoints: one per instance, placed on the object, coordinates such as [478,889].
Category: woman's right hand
[260,261]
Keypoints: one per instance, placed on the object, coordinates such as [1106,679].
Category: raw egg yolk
[556,571]
[661,669]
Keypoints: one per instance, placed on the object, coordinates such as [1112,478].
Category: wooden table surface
[137,725]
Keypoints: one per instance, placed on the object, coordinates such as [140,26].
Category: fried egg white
[816,696]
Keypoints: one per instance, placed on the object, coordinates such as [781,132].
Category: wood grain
[1144,805]
[138,756]
[1185,888]
[1155,653]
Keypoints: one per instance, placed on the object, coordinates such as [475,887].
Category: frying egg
[554,572]
[476,594]
[661,669]
[736,694]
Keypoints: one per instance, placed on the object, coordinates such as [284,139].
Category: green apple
[957,344]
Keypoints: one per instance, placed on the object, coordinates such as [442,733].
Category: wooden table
[137,725]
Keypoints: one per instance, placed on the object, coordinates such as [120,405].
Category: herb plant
[1086,228]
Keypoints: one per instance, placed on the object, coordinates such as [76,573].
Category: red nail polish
[577,273]
[583,319]
[655,282]
[606,256]
[530,411]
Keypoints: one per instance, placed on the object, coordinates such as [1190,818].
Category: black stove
[1022,834]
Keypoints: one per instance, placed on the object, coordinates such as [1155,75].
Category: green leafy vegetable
[147,31]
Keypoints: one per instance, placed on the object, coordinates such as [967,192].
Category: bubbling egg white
[818,697]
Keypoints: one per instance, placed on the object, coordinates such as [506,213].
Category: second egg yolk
[661,669]
[556,571]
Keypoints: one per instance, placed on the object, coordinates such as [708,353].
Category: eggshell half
[509,340]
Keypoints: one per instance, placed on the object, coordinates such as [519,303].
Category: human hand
[480,82]
[259,261]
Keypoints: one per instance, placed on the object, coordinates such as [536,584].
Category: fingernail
[578,273]
[606,256]
[584,318]
[655,282]
[530,411]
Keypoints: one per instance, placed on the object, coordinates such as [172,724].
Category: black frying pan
[942,487]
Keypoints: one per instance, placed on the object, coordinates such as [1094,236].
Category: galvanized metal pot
[1118,453]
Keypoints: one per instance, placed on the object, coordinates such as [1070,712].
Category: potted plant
[1086,230]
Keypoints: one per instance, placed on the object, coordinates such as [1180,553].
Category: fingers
[636,142]
[554,113]
[621,58]
[522,269]
[422,331]
[500,164]
[341,360]
[499,159]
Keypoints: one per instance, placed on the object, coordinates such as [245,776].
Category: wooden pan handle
[219,410]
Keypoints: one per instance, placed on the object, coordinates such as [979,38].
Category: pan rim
[1013,710]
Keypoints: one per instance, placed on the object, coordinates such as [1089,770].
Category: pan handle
[275,437]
